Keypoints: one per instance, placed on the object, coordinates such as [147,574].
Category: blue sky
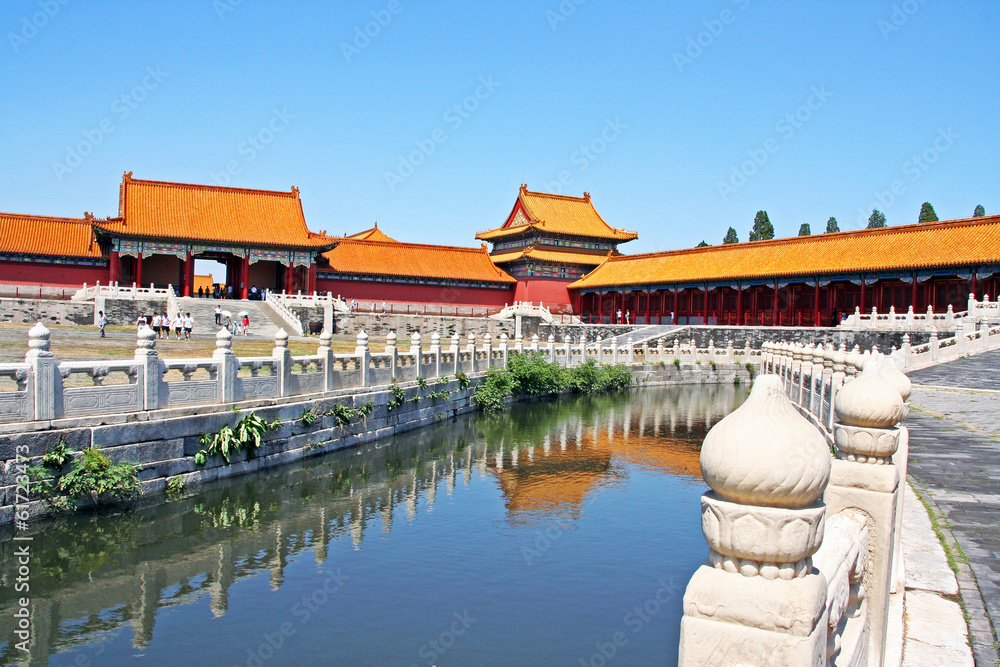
[680,119]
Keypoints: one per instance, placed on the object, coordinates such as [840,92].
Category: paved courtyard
[955,459]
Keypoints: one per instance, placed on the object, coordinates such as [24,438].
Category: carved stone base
[735,620]
[866,445]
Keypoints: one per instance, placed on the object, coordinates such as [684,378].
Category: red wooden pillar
[705,309]
[973,289]
[288,278]
[244,276]
[739,303]
[816,304]
[188,271]
[862,306]
[673,311]
[138,270]
[775,308]
[913,297]
[114,266]
[312,277]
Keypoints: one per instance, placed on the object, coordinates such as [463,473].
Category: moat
[561,533]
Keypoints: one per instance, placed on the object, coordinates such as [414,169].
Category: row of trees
[763,229]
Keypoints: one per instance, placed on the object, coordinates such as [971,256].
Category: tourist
[246,325]
[618,316]
[164,325]
[188,323]
[201,292]
[102,321]
[177,324]
[156,324]
[373,306]
[229,291]
[383,307]
[215,292]
[218,314]
[253,293]
[141,322]
[354,305]
[628,317]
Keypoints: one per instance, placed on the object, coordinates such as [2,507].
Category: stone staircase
[203,312]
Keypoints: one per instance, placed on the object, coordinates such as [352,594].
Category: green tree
[762,228]
[702,244]
[876,219]
[927,213]
[979,212]
[731,236]
[805,229]
[832,226]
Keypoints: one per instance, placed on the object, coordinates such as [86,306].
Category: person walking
[156,324]
[188,323]
[246,325]
[383,307]
[177,324]
[141,322]
[102,321]
[218,314]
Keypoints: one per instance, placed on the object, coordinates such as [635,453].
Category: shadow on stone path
[955,458]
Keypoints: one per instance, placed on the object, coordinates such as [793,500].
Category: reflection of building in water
[96,575]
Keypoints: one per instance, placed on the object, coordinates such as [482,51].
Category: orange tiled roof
[590,259]
[43,235]
[922,246]
[373,234]
[393,258]
[210,213]
[558,214]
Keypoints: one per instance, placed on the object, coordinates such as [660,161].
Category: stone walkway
[955,460]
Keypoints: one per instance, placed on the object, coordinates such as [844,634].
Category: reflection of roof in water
[561,479]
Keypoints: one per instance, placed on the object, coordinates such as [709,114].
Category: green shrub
[247,434]
[496,387]
[677,363]
[463,380]
[342,414]
[398,397]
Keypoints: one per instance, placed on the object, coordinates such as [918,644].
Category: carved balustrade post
[534,343]
[393,352]
[568,351]
[454,349]
[504,350]
[488,348]
[759,600]
[45,381]
[436,351]
[416,351]
[472,352]
[863,476]
[552,349]
[227,367]
[364,359]
[325,353]
[149,369]
[614,349]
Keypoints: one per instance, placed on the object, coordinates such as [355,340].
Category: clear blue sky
[693,115]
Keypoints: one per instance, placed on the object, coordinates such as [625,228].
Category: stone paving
[955,459]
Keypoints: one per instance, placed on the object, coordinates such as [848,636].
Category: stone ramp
[203,312]
[652,332]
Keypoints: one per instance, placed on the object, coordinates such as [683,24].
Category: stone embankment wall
[49,311]
[164,442]
[404,325]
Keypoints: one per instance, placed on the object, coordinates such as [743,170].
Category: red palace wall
[552,293]
[52,275]
[398,292]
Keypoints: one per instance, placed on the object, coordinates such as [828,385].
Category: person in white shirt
[175,322]
[156,324]
[188,322]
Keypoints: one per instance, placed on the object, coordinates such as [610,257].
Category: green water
[560,534]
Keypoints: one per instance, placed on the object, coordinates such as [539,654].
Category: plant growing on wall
[398,397]
[92,476]
[342,414]
[230,440]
